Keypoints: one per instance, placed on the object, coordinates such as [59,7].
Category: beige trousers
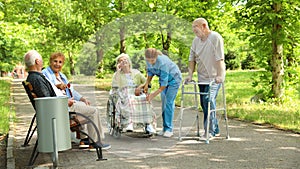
[93,114]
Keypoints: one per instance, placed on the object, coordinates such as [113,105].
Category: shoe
[168,134]
[217,135]
[209,136]
[104,147]
[161,133]
[129,128]
[150,129]
[84,143]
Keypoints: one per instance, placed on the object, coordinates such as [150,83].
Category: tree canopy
[91,33]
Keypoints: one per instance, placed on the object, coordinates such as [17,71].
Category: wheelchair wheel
[117,132]
[110,116]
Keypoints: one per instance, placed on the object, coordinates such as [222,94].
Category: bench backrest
[28,88]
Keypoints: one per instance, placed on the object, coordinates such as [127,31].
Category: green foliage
[4,106]
[68,26]
[262,83]
[249,63]
[270,24]
[231,61]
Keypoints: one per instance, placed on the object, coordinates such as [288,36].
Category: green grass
[4,106]
[239,91]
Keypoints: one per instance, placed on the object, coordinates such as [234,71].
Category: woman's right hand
[146,89]
[61,86]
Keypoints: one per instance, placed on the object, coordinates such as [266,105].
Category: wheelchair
[123,106]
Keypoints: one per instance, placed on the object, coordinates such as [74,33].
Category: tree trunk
[277,58]
[166,43]
[146,41]
[122,30]
[99,53]
[72,69]
[122,40]
[99,49]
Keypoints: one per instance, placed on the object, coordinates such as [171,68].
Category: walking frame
[197,93]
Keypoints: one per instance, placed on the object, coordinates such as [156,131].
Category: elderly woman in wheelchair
[127,106]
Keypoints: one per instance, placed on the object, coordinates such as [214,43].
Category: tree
[271,26]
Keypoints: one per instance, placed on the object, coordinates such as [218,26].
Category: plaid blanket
[133,108]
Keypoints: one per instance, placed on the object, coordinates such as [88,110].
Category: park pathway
[249,146]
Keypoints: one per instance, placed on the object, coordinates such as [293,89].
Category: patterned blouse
[120,80]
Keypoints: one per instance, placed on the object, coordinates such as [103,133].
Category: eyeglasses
[122,60]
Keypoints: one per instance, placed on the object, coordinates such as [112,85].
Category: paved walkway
[249,146]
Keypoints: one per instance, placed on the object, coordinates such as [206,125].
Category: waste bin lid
[47,98]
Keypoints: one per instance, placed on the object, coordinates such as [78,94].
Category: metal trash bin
[53,125]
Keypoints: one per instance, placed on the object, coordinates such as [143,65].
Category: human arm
[77,96]
[116,79]
[192,62]
[41,86]
[71,102]
[220,71]
[85,100]
[154,94]
[61,86]
[146,84]
[220,64]
[191,71]
[138,79]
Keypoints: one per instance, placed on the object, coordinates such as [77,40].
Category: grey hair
[30,57]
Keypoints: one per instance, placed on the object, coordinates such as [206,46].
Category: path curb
[10,159]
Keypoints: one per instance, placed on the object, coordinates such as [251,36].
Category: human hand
[122,64]
[146,89]
[61,86]
[219,79]
[86,101]
[150,97]
[71,101]
[137,91]
[188,79]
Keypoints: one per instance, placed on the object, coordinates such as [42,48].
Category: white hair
[30,57]
[125,56]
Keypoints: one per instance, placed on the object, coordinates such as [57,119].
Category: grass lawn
[239,91]
[4,107]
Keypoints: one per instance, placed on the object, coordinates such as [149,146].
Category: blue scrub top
[167,71]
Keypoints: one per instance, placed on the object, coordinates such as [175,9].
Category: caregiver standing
[169,81]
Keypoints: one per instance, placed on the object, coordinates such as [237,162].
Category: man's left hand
[219,79]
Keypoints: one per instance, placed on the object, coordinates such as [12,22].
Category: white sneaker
[168,134]
[161,133]
[210,136]
[150,129]
[129,128]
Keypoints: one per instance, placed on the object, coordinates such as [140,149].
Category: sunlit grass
[4,106]
[239,92]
